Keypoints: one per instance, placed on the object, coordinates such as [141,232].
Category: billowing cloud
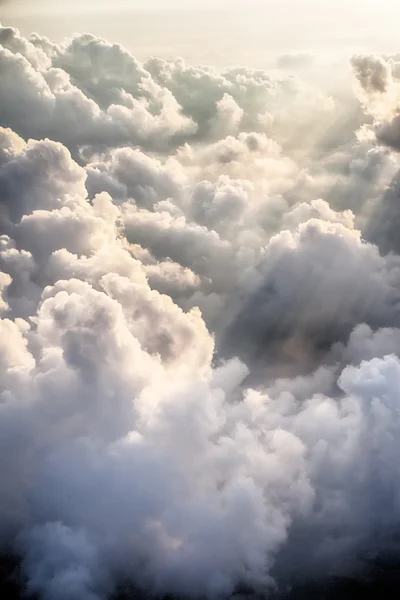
[88,93]
[200,324]
[372,73]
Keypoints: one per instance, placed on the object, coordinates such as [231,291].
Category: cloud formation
[199,332]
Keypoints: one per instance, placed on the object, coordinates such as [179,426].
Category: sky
[237,33]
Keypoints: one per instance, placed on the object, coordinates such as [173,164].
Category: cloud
[49,104]
[372,73]
[295,61]
[296,314]
[158,105]
[199,332]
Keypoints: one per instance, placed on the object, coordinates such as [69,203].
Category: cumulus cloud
[199,329]
[90,94]
[50,103]
[372,72]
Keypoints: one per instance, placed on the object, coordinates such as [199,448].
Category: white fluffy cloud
[198,337]
[88,93]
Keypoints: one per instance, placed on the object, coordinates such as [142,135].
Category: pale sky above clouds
[239,32]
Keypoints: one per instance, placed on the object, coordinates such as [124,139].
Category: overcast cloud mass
[200,321]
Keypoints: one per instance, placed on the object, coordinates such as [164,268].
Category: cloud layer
[200,302]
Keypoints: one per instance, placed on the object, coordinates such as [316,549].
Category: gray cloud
[372,73]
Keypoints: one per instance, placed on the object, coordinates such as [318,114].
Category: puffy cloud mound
[372,73]
[200,325]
